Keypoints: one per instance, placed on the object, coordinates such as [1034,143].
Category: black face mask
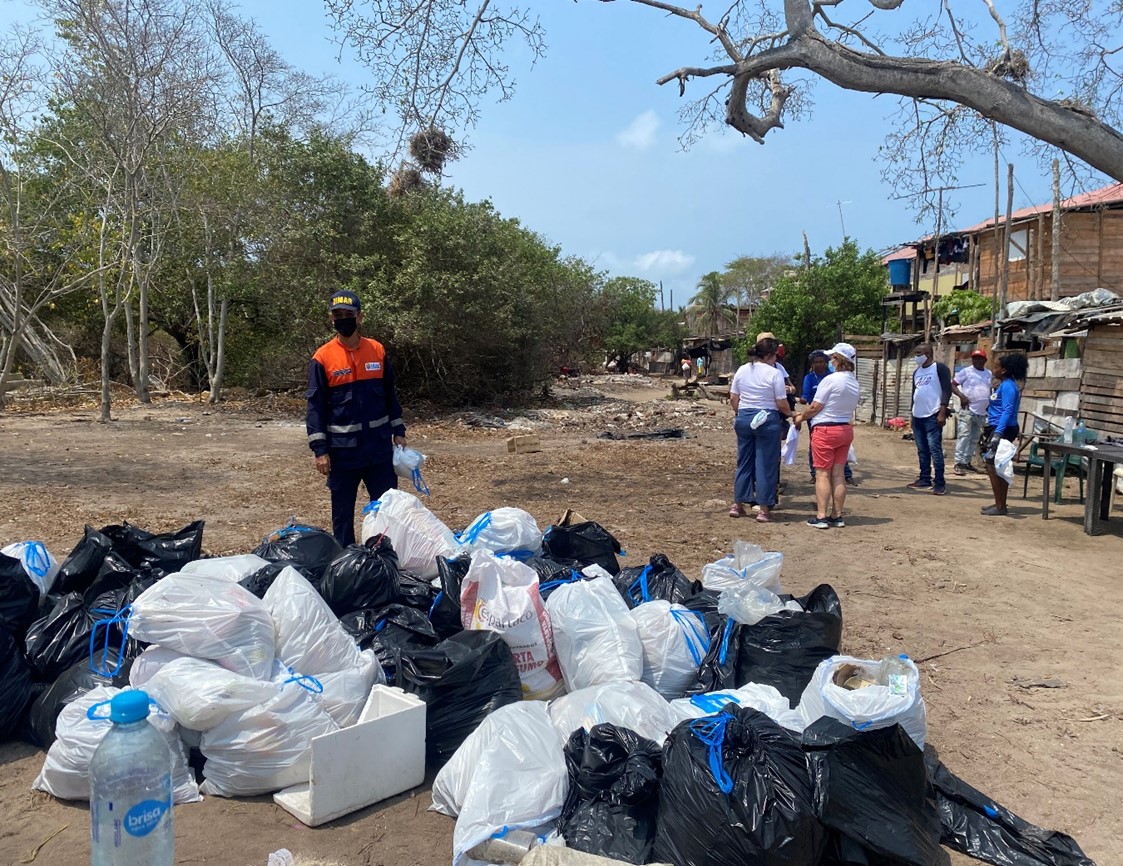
[346,327]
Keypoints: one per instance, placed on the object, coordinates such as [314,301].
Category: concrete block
[383,754]
[525,444]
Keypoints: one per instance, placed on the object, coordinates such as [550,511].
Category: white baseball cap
[845,349]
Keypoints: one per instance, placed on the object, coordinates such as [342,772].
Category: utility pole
[841,220]
[662,306]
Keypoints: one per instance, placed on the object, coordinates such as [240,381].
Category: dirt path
[916,573]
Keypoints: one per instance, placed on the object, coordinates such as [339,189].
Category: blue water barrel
[899,272]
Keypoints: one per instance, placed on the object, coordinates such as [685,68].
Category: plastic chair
[1059,465]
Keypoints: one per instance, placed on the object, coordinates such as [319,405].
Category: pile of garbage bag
[637,713]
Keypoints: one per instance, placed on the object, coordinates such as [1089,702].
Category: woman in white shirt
[759,398]
[836,400]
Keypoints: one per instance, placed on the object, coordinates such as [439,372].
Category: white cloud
[664,261]
[640,133]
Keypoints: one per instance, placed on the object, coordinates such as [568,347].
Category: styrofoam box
[381,755]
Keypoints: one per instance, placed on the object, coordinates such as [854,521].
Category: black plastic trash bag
[445,613]
[659,579]
[390,631]
[81,567]
[613,798]
[588,543]
[362,576]
[973,824]
[736,791]
[461,680]
[781,650]
[65,635]
[169,551]
[15,686]
[259,581]
[74,682]
[415,591]
[19,597]
[872,788]
[307,546]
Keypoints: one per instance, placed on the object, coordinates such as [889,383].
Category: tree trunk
[220,355]
[143,369]
[1006,238]
[130,343]
[1055,282]
[106,334]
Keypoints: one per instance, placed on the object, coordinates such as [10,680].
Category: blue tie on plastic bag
[693,625]
[306,682]
[726,633]
[115,617]
[641,582]
[475,529]
[36,559]
[711,732]
[713,703]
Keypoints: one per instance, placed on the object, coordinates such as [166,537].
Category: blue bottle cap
[128,706]
[904,656]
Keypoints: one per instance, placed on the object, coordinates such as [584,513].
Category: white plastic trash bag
[232,568]
[1004,460]
[791,444]
[675,640]
[517,780]
[501,594]
[596,639]
[504,530]
[866,708]
[345,692]
[208,618]
[407,464]
[80,728]
[627,705]
[264,748]
[747,564]
[766,699]
[199,693]
[852,456]
[309,637]
[750,603]
[145,665]
[417,534]
[37,561]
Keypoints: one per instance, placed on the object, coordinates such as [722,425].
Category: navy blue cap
[344,300]
[128,706]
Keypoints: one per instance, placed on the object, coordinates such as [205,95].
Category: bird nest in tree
[1013,66]
[431,148]
[405,180]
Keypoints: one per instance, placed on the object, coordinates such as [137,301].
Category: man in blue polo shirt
[820,369]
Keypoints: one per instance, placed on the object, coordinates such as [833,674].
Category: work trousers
[343,482]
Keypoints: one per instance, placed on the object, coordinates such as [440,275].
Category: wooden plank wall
[1101,387]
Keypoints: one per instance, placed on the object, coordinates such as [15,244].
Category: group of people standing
[763,399]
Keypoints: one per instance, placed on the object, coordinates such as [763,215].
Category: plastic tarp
[872,790]
[736,791]
[417,534]
[635,706]
[501,594]
[518,779]
[503,530]
[462,680]
[675,640]
[973,824]
[867,708]
[208,618]
[266,747]
[613,796]
[597,641]
[66,770]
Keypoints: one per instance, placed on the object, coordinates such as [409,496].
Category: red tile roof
[1108,195]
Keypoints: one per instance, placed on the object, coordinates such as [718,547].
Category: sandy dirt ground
[994,598]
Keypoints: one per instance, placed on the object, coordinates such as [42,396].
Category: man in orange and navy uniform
[354,418]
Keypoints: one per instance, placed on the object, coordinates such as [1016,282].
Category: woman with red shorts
[836,400]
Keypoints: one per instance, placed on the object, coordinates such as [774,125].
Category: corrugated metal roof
[902,253]
[1108,195]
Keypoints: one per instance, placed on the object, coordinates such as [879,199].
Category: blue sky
[587,151]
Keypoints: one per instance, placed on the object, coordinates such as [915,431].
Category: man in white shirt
[972,386]
[931,393]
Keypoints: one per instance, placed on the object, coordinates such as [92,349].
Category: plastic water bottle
[131,789]
[1070,426]
[894,673]
[1080,432]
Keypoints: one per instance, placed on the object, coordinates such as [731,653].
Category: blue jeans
[848,473]
[970,429]
[758,458]
[928,436]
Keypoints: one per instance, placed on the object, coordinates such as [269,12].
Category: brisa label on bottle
[145,816]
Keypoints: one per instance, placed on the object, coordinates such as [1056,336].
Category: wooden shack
[1101,383]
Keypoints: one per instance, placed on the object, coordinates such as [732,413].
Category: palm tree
[709,304]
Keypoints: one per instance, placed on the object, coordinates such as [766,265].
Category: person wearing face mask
[931,394]
[354,418]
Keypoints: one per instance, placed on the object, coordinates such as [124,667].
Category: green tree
[810,308]
[747,278]
[632,324]
[710,307]
[962,307]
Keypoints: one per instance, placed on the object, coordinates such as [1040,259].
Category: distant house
[1091,252]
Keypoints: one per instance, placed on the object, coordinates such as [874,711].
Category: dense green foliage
[962,307]
[811,306]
